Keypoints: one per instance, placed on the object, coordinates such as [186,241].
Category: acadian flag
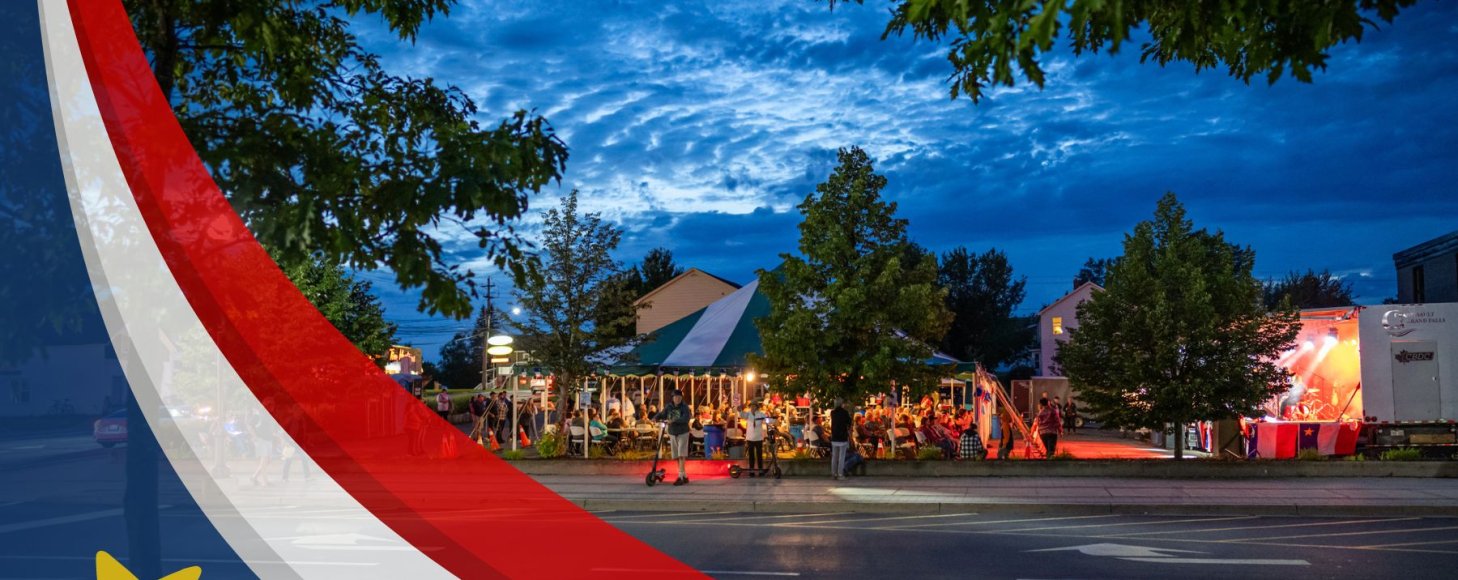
[133,280]
[1307,435]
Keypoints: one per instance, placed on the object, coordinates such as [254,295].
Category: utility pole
[490,314]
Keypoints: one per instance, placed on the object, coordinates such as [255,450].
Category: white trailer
[1409,358]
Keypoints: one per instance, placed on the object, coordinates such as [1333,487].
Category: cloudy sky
[699,126]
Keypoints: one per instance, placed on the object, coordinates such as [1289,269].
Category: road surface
[1004,545]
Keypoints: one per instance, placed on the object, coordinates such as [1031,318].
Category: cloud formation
[699,126]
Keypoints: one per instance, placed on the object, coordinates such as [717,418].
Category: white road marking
[1269,527]
[985,522]
[1117,551]
[1380,546]
[1158,523]
[875,519]
[766,517]
[664,515]
[1407,531]
[1237,562]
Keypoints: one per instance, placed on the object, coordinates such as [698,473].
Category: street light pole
[490,314]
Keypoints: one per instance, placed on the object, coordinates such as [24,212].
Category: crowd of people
[846,433]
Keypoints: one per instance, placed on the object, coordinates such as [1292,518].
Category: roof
[679,277]
[1069,295]
[1445,244]
[719,336]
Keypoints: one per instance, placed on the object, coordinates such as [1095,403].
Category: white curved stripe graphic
[171,364]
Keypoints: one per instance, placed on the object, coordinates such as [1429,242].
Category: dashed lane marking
[874,519]
[1155,523]
[988,522]
[1341,534]
[1203,531]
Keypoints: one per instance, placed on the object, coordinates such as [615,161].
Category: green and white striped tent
[718,337]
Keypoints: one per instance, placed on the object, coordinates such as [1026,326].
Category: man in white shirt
[754,435]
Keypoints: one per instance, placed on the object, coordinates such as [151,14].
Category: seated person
[615,421]
[933,437]
[595,425]
[971,446]
[816,435]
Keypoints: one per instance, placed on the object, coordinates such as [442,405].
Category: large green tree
[982,293]
[323,151]
[847,317]
[1310,289]
[347,303]
[1179,333]
[572,313]
[993,41]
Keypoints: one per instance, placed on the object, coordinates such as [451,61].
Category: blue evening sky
[699,126]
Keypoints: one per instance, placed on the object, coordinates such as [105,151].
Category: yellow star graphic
[107,568]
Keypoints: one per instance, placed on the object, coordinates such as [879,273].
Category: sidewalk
[1307,497]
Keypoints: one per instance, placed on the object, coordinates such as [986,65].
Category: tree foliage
[347,303]
[993,41]
[1179,333]
[657,269]
[1094,270]
[849,318]
[323,151]
[1311,289]
[572,313]
[981,294]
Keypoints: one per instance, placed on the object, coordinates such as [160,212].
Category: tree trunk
[164,56]
[1179,433]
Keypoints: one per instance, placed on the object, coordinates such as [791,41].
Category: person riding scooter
[677,415]
[754,436]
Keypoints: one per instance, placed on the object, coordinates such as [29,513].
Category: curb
[787,507]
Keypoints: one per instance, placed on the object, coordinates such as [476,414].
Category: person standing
[1049,426]
[677,414]
[1070,416]
[1008,420]
[754,420]
[840,425]
[443,404]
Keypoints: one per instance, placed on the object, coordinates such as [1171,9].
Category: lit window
[1057,325]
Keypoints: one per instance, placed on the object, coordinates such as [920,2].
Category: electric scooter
[773,468]
[656,475]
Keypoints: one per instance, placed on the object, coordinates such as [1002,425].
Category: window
[1419,294]
[1057,325]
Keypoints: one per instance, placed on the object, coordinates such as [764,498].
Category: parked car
[111,429]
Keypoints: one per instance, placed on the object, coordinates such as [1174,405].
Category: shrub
[552,445]
[596,452]
[1062,456]
[1310,455]
[1357,457]
[802,454]
[718,455]
[513,454]
[635,455]
[929,453]
[1402,454]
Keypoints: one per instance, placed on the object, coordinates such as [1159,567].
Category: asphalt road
[1003,545]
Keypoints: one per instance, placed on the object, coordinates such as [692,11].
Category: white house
[1054,322]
